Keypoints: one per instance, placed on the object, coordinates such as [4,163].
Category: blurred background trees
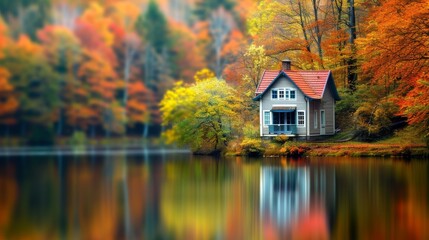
[102,67]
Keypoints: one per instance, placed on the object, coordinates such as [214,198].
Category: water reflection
[186,197]
[285,194]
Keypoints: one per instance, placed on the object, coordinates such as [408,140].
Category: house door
[322,122]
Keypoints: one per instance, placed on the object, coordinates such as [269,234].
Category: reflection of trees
[8,195]
[206,199]
[382,200]
[93,207]
[52,198]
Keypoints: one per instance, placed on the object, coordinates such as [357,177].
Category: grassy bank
[354,149]
[357,149]
[401,144]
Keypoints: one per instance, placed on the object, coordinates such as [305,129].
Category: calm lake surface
[179,196]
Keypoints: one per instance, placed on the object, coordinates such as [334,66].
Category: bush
[250,130]
[293,150]
[252,147]
[281,139]
[78,138]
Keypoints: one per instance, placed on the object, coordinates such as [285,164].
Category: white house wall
[267,103]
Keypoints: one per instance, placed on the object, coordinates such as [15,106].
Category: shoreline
[345,149]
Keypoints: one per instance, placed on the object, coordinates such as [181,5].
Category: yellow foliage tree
[201,115]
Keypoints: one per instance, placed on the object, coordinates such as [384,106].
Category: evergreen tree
[204,8]
[30,14]
[152,26]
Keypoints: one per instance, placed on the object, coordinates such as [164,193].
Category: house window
[274,94]
[267,116]
[301,118]
[315,119]
[281,93]
[292,94]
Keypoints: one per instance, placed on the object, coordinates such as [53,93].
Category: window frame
[298,124]
[277,94]
[294,94]
[269,120]
[285,92]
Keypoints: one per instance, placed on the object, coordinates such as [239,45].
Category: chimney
[286,64]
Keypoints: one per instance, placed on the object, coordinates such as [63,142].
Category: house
[296,103]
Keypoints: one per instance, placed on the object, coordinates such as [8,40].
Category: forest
[186,70]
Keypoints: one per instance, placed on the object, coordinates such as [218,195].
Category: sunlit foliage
[200,115]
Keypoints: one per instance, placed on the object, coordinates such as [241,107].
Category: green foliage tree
[37,85]
[204,8]
[152,27]
[201,115]
[30,14]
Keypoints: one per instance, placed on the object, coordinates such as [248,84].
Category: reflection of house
[285,193]
[296,103]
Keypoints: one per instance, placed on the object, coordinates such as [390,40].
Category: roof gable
[311,83]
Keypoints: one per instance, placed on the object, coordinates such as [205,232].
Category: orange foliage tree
[396,54]
[95,95]
[8,102]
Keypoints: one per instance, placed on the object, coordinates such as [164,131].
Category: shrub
[78,138]
[250,130]
[252,147]
[293,149]
[281,139]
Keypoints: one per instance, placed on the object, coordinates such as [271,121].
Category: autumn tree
[415,106]
[27,16]
[220,28]
[137,105]
[37,84]
[200,115]
[186,53]
[8,101]
[395,54]
[63,52]
[95,96]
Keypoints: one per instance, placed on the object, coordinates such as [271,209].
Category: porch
[287,129]
[283,121]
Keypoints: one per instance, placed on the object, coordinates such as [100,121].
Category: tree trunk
[303,28]
[317,30]
[60,123]
[352,61]
[145,130]
[92,131]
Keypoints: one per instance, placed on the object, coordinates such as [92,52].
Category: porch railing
[282,128]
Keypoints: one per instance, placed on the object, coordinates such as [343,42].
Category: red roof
[311,83]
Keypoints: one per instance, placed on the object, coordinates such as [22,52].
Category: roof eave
[335,94]
[260,80]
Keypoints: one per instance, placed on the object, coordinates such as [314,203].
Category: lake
[180,196]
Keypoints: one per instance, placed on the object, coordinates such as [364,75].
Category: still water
[178,196]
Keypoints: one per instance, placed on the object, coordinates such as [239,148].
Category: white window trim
[315,119]
[284,94]
[272,94]
[324,114]
[297,119]
[292,89]
[263,118]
